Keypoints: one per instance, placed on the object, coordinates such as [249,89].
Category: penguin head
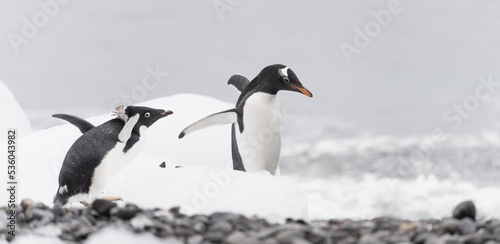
[278,77]
[147,116]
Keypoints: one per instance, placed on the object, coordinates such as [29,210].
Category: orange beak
[303,90]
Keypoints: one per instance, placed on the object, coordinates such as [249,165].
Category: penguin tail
[80,123]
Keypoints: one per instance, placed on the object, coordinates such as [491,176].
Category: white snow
[13,116]
[426,197]
[203,185]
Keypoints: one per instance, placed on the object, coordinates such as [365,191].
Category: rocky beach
[35,220]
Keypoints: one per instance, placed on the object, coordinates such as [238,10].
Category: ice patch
[13,115]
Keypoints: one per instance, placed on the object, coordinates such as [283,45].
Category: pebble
[128,212]
[449,225]
[467,226]
[466,209]
[77,225]
[102,207]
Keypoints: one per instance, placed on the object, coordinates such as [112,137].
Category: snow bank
[203,185]
[13,114]
[370,197]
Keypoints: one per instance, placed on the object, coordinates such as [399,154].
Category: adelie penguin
[102,151]
[256,119]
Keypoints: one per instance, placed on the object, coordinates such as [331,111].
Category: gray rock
[338,235]
[102,207]
[383,235]
[166,231]
[214,237]
[401,238]
[227,217]
[126,213]
[467,226]
[449,225]
[451,239]
[199,226]
[316,235]
[288,236]
[350,225]
[236,238]
[478,238]
[176,211]
[466,209]
[370,239]
[43,216]
[58,211]
[222,227]
[196,239]
[83,232]
[493,242]
[300,241]
[493,225]
[423,237]
[141,221]
[348,240]
[269,241]
[268,232]
[368,227]
[386,223]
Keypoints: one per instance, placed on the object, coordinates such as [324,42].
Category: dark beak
[302,90]
[166,113]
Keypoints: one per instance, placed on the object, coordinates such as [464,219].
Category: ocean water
[353,174]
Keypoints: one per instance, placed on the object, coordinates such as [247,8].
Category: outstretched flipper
[221,118]
[239,81]
[80,123]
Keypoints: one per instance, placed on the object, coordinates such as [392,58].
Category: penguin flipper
[80,123]
[240,82]
[126,132]
[221,118]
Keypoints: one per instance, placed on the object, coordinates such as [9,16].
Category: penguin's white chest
[114,162]
[260,143]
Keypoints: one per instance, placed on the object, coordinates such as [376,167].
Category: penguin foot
[113,198]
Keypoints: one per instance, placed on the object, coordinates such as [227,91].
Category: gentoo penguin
[256,119]
[102,151]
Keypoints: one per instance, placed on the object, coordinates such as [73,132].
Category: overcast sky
[419,62]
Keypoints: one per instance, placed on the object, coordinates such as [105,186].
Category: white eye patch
[284,72]
[147,115]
